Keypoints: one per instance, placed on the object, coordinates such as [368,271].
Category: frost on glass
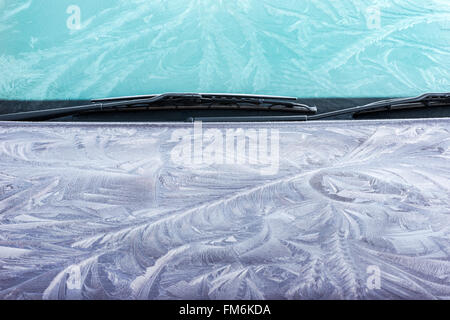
[314,48]
[102,211]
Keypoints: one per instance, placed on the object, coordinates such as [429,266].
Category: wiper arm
[171,101]
[425,100]
[230,101]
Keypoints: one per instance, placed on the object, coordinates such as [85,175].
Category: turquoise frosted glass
[81,49]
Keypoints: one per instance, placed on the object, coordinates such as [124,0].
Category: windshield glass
[86,49]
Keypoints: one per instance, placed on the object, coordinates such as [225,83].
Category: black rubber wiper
[168,101]
[427,100]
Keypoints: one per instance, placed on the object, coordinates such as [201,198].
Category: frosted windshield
[85,49]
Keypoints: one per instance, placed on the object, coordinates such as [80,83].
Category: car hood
[323,210]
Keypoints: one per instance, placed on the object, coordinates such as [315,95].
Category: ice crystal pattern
[101,212]
[311,48]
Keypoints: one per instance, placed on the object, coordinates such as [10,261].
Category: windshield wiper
[427,100]
[198,101]
[167,101]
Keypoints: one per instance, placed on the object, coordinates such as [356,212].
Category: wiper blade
[427,100]
[424,100]
[215,96]
[171,101]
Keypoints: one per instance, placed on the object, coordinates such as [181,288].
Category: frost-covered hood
[350,210]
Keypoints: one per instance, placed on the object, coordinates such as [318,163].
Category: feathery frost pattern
[309,48]
[101,212]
